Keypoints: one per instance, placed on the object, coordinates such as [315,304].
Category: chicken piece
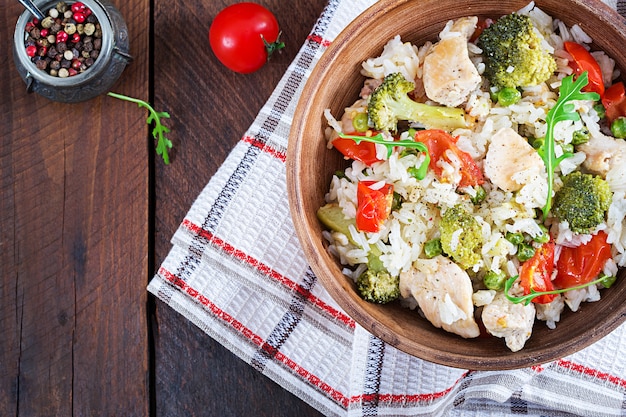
[449,74]
[513,322]
[603,152]
[511,162]
[444,294]
[465,26]
[606,157]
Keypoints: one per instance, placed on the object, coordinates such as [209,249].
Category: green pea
[525,252]
[544,236]
[580,136]
[481,194]
[567,148]
[607,281]
[508,96]
[618,127]
[493,94]
[397,201]
[514,238]
[599,108]
[433,248]
[359,122]
[538,142]
[494,280]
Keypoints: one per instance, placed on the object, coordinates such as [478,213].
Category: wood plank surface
[211,109]
[74,242]
[86,214]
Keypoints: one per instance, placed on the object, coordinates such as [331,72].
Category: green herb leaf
[563,109]
[159,130]
[526,299]
[411,144]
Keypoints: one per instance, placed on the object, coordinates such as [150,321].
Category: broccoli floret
[390,103]
[513,54]
[582,201]
[461,236]
[378,286]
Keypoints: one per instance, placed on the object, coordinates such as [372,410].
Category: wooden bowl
[335,83]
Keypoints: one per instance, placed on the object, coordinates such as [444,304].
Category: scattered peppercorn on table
[87,211]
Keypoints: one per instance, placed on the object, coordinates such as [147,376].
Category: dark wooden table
[86,214]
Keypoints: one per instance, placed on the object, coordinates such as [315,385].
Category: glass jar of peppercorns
[75,53]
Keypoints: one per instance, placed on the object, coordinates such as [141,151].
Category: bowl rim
[318,260]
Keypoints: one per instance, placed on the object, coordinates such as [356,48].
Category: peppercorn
[90,28]
[62,36]
[31,50]
[41,64]
[79,17]
[78,7]
[70,28]
[52,51]
[47,22]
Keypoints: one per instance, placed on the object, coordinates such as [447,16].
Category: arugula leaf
[607,281]
[159,130]
[563,109]
[407,143]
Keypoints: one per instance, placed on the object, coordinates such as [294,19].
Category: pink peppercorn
[76,37]
[62,36]
[44,33]
[79,17]
[78,7]
[31,50]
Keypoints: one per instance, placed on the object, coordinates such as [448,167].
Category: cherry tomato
[243,36]
[584,61]
[536,273]
[579,265]
[614,101]
[373,205]
[363,151]
[438,142]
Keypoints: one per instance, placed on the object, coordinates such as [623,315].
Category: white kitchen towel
[237,271]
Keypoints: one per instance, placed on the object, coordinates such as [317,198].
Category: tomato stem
[272,47]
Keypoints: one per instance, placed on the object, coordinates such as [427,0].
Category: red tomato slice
[363,151]
[579,265]
[535,274]
[614,101]
[374,206]
[584,61]
[438,142]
